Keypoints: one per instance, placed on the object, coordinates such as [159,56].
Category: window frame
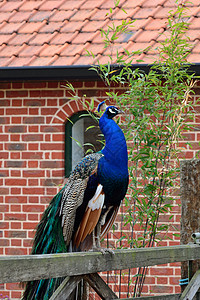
[68,138]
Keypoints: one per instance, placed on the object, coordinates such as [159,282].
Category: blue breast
[113,166]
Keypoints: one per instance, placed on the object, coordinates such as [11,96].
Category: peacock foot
[102,250]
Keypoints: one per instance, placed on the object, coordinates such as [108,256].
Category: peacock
[85,208]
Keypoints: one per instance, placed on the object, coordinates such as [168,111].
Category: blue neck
[115,149]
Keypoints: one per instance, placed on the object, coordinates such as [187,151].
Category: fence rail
[18,268]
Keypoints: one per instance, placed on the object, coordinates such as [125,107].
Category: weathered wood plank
[190,207]
[192,287]
[64,291]
[31,267]
[100,287]
[162,297]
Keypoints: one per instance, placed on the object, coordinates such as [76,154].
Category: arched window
[81,134]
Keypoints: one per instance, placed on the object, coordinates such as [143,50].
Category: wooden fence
[75,266]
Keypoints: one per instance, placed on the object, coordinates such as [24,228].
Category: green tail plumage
[48,239]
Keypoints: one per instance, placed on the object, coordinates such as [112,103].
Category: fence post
[190,208]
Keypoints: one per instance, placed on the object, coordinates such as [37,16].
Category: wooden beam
[192,287]
[32,267]
[190,208]
[100,287]
[64,291]
[161,297]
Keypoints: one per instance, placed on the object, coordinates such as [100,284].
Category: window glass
[83,136]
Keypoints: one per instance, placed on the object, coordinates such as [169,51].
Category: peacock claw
[102,250]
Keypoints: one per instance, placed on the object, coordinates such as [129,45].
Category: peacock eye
[112,111]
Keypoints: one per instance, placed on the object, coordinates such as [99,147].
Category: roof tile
[39,16]
[20,61]
[50,5]
[91,4]
[30,27]
[31,5]
[73,50]
[4,38]
[51,27]
[72,26]
[146,12]
[61,15]
[82,15]
[64,61]
[40,61]
[29,51]
[9,51]
[148,3]
[10,28]
[40,39]
[133,3]
[156,24]
[84,37]
[71,4]
[58,32]
[89,26]
[147,36]
[51,50]
[62,38]
[110,3]
[20,39]
[19,16]
[11,5]
[5,16]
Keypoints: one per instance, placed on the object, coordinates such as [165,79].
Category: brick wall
[32,133]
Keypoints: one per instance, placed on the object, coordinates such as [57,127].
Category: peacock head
[110,111]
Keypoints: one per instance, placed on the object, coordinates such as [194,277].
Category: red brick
[34,111]
[16,173]
[15,234]
[33,191]
[14,155]
[4,225]
[33,208]
[15,225]
[30,225]
[14,199]
[34,120]
[4,242]
[15,216]
[33,147]
[33,164]
[52,146]
[32,182]
[16,191]
[15,164]
[161,271]
[33,173]
[34,102]
[32,137]
[48,111]
[4,191]
[15,182]
[16,251]
[161,289]
[32,155]
[46,93]
[17,94]
[49,164]
[15,208]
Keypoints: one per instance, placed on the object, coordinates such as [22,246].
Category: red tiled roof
[58,32]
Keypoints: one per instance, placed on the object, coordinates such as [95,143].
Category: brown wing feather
[87,225]
[109,222]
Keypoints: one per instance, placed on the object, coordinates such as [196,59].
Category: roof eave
[78,72]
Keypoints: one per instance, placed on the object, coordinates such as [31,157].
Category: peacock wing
[74,191]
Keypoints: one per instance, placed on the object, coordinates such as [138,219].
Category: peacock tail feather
[48,239]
